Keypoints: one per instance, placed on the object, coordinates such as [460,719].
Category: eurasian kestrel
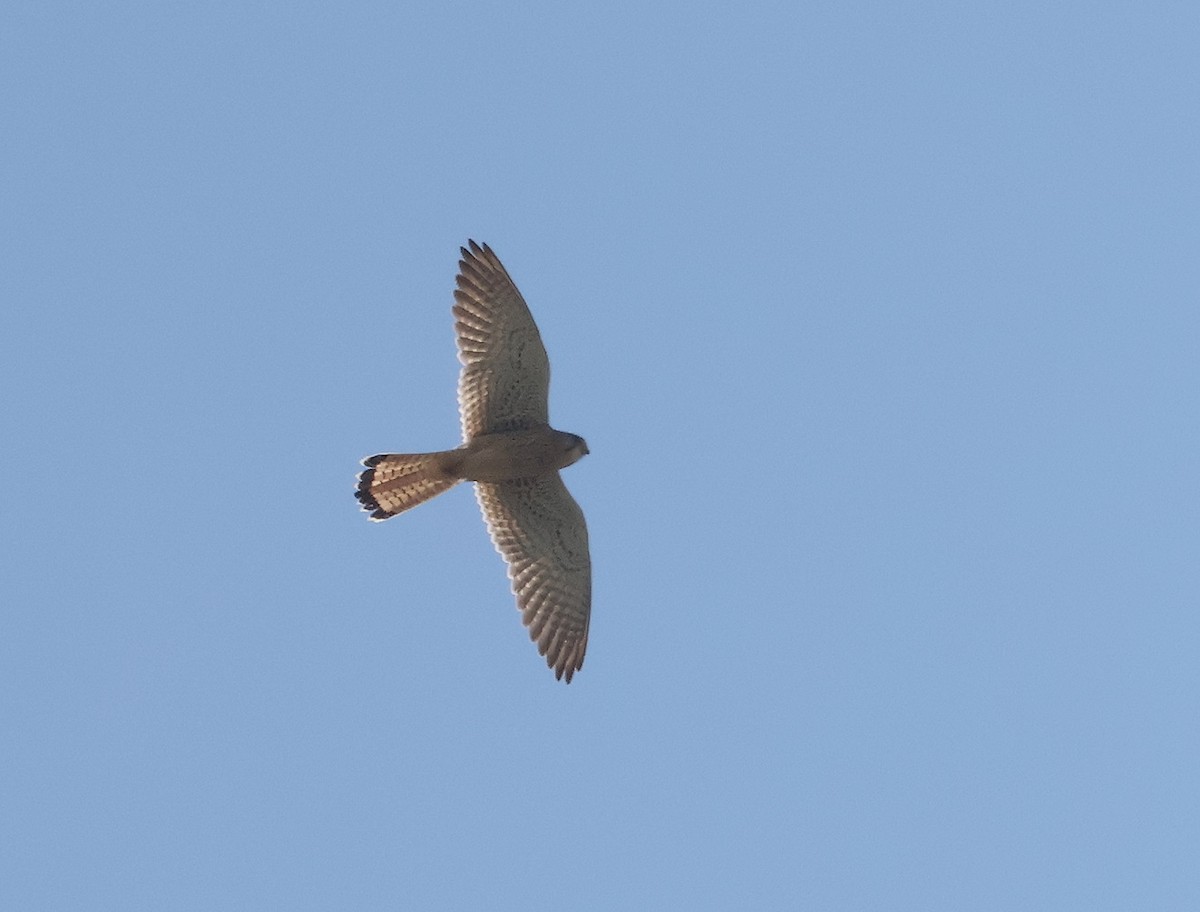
[513,455]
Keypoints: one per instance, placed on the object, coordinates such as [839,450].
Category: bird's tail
[395,482]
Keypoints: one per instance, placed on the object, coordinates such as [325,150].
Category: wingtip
[564,667]
[476,251]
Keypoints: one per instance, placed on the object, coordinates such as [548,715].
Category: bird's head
[574,448]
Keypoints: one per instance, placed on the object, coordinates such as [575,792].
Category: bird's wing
[538,527]
[505,380]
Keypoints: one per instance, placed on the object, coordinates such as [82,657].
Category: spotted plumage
[513,455]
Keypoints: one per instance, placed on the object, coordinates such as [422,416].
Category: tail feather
[395,482]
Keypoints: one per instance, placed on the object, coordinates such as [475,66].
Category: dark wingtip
[476,253]
[566,671]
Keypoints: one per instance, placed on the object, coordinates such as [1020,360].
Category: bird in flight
[513,455]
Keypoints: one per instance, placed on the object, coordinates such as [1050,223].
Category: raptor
[512,455]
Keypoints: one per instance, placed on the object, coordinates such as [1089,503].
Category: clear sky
[881,321]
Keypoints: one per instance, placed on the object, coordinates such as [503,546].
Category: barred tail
[394,482]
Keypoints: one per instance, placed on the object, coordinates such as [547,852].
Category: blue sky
[881,322]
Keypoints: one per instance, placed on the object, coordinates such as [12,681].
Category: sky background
[882,324]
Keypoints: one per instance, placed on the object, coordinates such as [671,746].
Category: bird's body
[513,455]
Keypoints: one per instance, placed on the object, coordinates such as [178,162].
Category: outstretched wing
[538,527]
[505,380]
